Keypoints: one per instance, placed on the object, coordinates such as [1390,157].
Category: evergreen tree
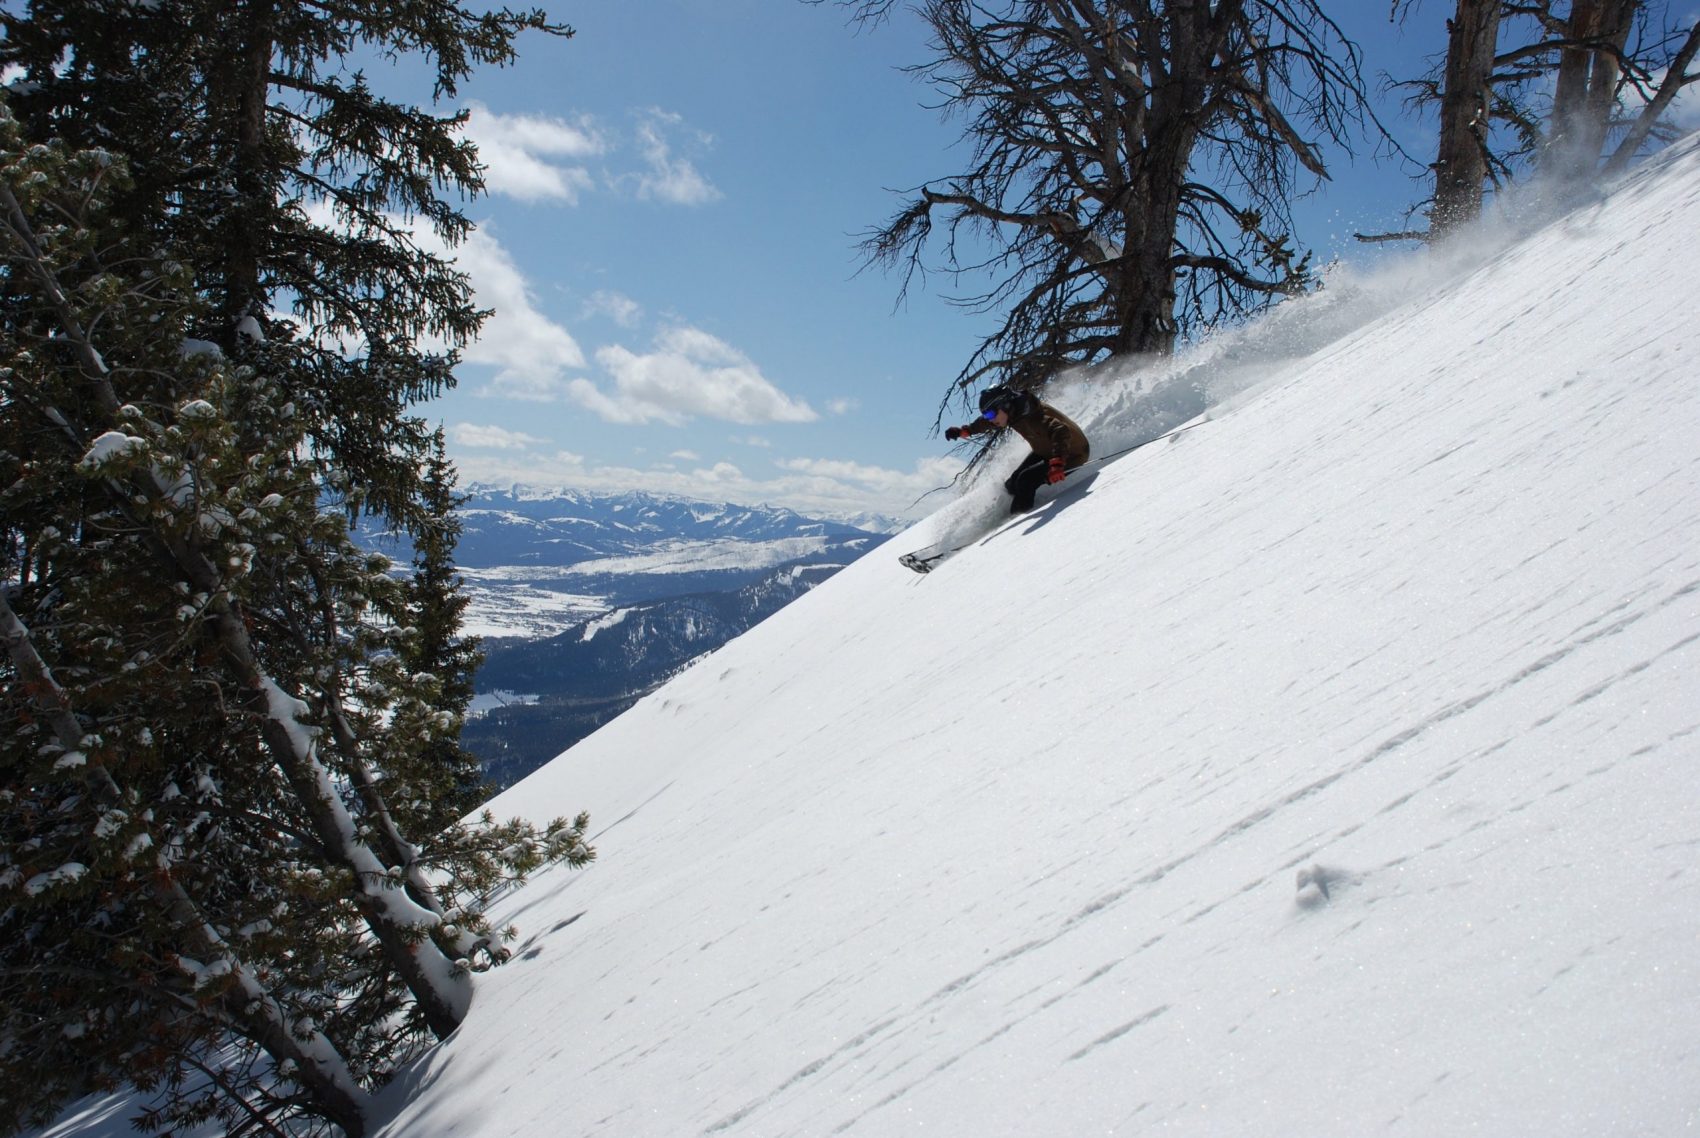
[142,837]
[210,689]
[449,783]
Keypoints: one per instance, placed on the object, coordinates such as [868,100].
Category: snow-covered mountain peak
[666,509]
[532,526]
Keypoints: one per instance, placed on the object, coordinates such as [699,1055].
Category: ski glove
[1057,472]
[953,433]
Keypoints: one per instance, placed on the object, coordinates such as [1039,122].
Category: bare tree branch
[1676,78]
[1087,120]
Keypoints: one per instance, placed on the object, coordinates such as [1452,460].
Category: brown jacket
[1048,431]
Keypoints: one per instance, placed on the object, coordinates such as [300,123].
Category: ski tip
[910,561]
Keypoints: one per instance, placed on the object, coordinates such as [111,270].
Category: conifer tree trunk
[402,927]
[245,1002]
[242,98]
[1460,167]
[1589,67]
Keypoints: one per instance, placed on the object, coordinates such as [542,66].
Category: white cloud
[618,307]
[542,158]
[686,456]
[493,438]
[517,151]
[835,468]
[898,493]
[529,350]
[720,474]
[670,178]
[843,406]
[806,485]
[688,374]
[928,474]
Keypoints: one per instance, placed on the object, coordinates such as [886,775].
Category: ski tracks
[1603,658]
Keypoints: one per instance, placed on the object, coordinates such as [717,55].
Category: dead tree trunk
[1589,67]
[1096,126]
[1461,165]
[1676,78]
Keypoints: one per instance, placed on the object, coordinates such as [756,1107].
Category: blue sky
[669,242]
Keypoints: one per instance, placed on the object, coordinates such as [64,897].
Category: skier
[1059,445]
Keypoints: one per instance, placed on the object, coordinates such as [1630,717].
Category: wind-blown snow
[1331,769]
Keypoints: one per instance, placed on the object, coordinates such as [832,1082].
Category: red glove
[1057,472]
[953,433]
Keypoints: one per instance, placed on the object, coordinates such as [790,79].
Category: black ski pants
[1025,482]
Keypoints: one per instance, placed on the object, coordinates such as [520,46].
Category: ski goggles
[992,415]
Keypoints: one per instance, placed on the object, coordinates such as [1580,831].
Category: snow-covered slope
[1017,848]
[1331,770]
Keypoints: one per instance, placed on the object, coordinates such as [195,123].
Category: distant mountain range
[522,525]
[544,695]
[587,602]
[542,562]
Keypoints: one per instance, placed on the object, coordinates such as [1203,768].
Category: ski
[921,564]
[930,557]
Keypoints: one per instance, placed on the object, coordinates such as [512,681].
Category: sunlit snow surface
[1014,848]
[1017,848]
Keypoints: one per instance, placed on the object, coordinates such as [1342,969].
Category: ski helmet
[997,398]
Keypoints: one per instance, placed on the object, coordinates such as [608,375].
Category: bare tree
[1676,76]
[1132,167]
[1542,85]
[1589,43]
[1461,164]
